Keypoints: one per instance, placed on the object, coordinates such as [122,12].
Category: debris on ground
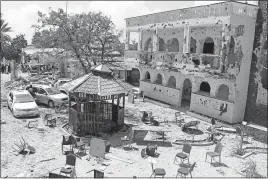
[24,147]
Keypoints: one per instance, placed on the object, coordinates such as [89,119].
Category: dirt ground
[48,146]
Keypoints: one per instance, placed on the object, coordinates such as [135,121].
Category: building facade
[197,57]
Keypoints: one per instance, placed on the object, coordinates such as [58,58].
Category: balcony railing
[176,59]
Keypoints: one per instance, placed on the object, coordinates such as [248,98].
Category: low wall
[212,107]
[165,94]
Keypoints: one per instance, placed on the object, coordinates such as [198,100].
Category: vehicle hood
[58,96]
[29,105]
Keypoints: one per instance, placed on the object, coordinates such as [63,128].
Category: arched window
[148,45]
[174,45]
[208,46]
[172,82]
[158,79]
[162,45]
[205,87]
[223,92]
[147,76]
[192,45]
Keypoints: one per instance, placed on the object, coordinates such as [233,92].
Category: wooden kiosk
[98,103]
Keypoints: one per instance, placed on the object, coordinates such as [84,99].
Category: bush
[238,149]
[251,171]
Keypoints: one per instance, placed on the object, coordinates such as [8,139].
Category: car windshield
[52,91]
[23,98]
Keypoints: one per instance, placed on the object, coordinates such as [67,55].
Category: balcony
[176,59]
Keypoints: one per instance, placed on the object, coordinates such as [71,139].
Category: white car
[22,104]
[48,95]
[61,81]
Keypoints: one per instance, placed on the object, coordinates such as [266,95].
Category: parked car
[48,95]
[136,91]
[22,104]
[61,81]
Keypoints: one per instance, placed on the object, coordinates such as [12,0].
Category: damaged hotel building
[197,57]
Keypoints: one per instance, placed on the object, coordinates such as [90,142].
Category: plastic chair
[216,153]
[128,139]
[157,171]
[78,144]
[181,120]
[69,166]
[183,171]
[186,150]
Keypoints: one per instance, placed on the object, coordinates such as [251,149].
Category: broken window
[223,92]
[193,45]
[159,79]
[205,87]
[174,45]
[172,82]
[208,46]
[148,45]
[162,45]
[147,76]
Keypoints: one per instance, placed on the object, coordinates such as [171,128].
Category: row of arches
[222,93]
[173,45]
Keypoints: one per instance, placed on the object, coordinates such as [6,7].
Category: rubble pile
[15,85]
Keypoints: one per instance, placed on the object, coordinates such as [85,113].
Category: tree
[5,39]
[85,35]
[13,50]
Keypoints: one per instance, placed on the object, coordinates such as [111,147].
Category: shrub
[251,171]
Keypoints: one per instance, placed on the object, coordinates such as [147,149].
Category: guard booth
[99,103]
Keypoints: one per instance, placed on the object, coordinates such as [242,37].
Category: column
[127,40]
[140,42]
[226,37]
[186,39]
[155,41]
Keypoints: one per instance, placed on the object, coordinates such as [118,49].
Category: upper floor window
[205,87]
[208,46]
[174,45]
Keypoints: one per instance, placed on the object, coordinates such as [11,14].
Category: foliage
[238,149]
[5,39]
[88,36]
[251,169]
[13,50]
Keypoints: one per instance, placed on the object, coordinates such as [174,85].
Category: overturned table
[161,129]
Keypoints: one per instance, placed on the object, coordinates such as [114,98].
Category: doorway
[186,93]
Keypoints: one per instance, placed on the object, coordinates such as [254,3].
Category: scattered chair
[69,168]
[78,144]
[241,133]
[157,171]
[186,150]
[128,139]
[216,153]
[67,140]
[181,119]
[183,171]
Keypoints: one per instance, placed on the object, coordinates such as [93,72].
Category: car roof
[20,92]
[41,86]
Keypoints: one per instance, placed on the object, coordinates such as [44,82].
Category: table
[161,129]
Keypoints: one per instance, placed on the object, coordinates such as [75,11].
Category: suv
[48,95]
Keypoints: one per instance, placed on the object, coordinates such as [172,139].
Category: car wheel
[51,104]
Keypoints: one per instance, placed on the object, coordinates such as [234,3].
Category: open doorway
[134,77]
[186,93]
[208,46]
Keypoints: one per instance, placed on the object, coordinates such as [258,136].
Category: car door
[42,96]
